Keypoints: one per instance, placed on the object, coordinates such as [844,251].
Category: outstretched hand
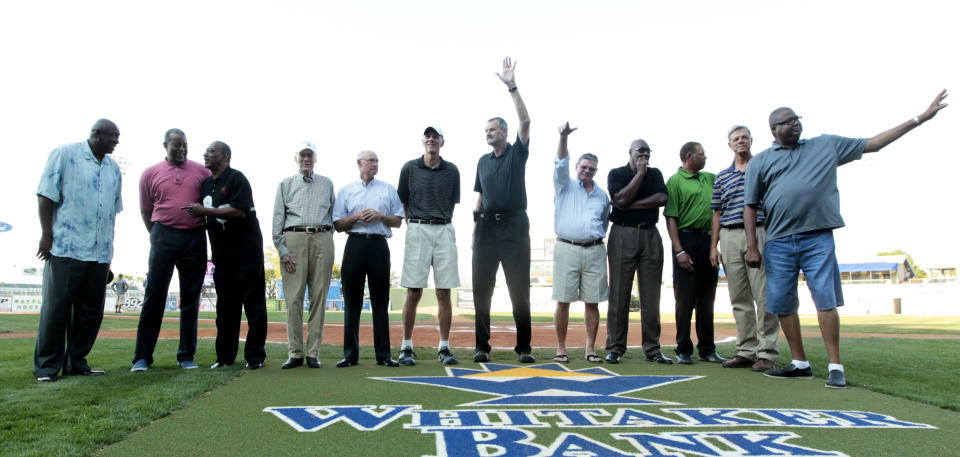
[507,76]
[934,107]
[565,129]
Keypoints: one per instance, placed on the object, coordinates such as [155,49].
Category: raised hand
[934,107]
[565,129]
[507,76]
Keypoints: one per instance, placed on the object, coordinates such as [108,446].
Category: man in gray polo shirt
[429,188]
[795,181]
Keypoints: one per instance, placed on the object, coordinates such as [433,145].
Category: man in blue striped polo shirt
[757,330]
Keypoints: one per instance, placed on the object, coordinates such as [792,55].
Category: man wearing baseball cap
[429,189]
[303,236]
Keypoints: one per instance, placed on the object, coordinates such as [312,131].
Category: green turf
[231,421]
[329,316]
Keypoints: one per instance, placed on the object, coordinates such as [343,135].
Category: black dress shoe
[388,362]
[684,359]
[312,362]
[87,371]
[343,363]
[713,357]
[660,358]
[613,357]
[292,363]
[526,357]
[256,365]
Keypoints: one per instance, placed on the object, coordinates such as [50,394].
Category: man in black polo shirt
[237,247]
[429,189]
[638,192]
[502,231]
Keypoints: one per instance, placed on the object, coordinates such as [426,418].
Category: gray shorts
[580,273]
[428,245]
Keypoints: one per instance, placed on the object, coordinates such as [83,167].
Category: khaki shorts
[428,245]
[580,273]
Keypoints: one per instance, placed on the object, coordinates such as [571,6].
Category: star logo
[546,384]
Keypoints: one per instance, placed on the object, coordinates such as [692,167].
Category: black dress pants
[694,292]
[366,259]
[72,310]
[185,249]
[240,287]
[502,242]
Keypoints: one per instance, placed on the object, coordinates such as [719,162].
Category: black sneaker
[445,357]
[835,380]
[481,357]
[789,371]
[406,357]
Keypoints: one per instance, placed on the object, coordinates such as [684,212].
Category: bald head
[104,137]
[777,114]
[369,164]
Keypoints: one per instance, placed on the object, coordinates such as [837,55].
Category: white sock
[835,366]
[406,344]
[443,344]
[801,364]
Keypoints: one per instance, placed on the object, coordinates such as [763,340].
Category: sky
[349,76]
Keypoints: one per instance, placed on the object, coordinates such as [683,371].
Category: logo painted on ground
[490,431]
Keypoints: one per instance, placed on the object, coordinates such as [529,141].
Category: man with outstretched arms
[795,183]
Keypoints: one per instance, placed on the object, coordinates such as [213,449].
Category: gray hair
[738,127]
[589,157]
[500,121]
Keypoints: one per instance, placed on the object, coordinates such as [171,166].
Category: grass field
[80,415]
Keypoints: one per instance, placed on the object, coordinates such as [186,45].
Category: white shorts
[428,245]
[580,273]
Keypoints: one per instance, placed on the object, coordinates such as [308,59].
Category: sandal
[561,358]
[593,358]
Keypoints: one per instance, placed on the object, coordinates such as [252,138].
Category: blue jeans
[814,253]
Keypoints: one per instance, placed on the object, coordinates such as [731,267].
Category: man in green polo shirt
[689,219]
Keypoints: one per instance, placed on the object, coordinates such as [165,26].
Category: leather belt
[696,231]
[739,226]
[583,244]
[366,235]
[417,220]
[500,216]
[309,229]
[643,225]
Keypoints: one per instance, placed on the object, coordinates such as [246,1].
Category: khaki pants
[314,255]
[757,330]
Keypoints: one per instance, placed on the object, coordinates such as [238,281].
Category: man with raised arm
[581,214]
[303,236]
[429,189]
[78,200]
[366,209]
[795,183]
[502,231]
[635,248]
[757,330]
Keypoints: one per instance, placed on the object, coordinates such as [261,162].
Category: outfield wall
[940,299]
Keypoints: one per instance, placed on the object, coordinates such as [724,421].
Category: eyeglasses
[642,150]
[790,121]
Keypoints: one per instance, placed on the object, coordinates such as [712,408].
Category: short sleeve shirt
[797,188]
[652,184]
[501,181]
[429,193]
[728,197]
[688,199]
[233,241]
[86,194]
[165,188]
[358,195]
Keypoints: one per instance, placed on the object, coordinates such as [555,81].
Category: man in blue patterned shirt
[757,330]
[78,199]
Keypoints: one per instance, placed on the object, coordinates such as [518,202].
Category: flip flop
[561,358]
[593,358]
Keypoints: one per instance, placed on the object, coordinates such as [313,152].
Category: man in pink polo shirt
[177,240]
